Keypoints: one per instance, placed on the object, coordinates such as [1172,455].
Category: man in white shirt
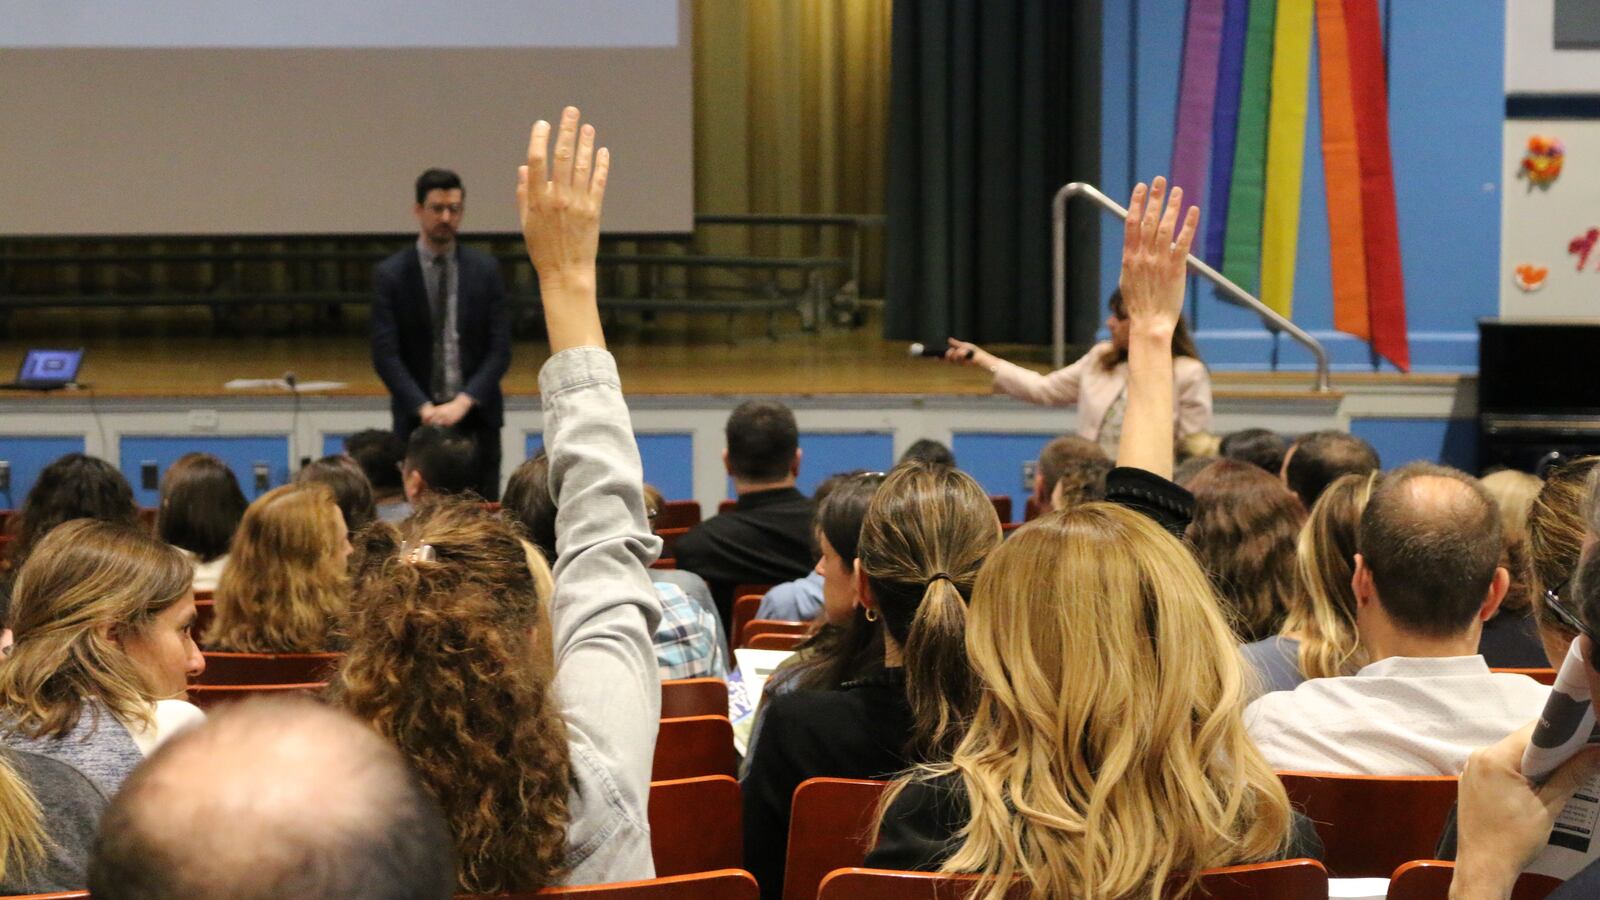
[1427,577]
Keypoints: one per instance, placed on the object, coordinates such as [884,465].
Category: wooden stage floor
[166,353]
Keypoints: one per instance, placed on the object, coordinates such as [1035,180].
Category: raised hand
[1153,263]
[560,211]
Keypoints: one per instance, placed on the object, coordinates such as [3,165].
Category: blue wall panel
[668,459]
[333,444]
[27,456]
[1400,440]
[1446,112]
[241,453]
[996,460]
[829,453]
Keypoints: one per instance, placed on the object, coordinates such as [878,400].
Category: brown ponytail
[924,538]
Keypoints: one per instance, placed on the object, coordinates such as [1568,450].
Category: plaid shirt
[686,640]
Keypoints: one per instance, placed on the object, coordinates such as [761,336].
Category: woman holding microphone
[1098,382]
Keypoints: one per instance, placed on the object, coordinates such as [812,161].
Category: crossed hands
[1153,263]
[447,414]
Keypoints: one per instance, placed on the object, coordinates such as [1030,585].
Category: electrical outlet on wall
[1029,468]
[149,475]
[263,476]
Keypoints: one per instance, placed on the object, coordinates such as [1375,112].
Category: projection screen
[213,117]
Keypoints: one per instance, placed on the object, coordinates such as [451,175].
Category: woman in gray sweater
[532,718]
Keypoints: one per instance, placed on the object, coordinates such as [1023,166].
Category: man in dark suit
[441,337]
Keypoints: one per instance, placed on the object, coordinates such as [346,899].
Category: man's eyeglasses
[1567,616]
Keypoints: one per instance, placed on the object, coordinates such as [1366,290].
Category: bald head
[282,798]
[1430,536]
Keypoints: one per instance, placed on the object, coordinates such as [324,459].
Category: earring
[872,614]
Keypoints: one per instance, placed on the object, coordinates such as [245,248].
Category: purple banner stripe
[1197,96]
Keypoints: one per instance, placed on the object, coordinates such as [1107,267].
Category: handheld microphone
[919,349]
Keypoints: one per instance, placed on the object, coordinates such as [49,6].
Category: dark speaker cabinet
[1538,391]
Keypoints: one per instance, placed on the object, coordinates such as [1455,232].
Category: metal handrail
[1230,292]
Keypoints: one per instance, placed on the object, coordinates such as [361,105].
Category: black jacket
[402,333]
[765,539]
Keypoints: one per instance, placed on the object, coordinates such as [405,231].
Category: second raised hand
[1154,264]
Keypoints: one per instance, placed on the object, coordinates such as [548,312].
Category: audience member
[801,600]
[766,537]
[381,454]
[73,487]
[286,586]
[1082,481]
[1243,534]
[1185,472]
[846,645]
[688,582]
[101,613]
[925,533]
[1066,453]
[1106,754]
[551,780]
[1319,638]
[201,505]
[689,640]
[928,450]
[1257,446]
[1555,541]
[1510,639]
[351,490]
[1315,460]
[50,811]
[439,461]
[1096,384]
[1199,444]
[271,799]
[1426,578]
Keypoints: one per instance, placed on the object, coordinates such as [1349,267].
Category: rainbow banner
[1262,82]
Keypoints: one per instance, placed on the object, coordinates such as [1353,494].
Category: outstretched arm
[1153,273]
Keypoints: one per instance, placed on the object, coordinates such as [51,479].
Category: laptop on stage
[47,370]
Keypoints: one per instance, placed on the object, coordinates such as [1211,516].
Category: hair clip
[421,552]
[937,576]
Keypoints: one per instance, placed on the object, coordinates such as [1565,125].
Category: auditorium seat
[207,696]
[746,601]
[60,895]
[769,640]
[1002,506]
[695,825]
[669,539]
[267,668]
[1543,676]
[692,746]
[1031,509]
[678,514]
[694,697]
[830,827]
[664,563]
[1429,879]
[771,626]
[726,506]
[1294,879]
[728,884]
[1359,843]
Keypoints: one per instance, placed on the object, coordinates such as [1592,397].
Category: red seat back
[694,697]
[695,825]
[1359,844]
[1295,879]
[771,626]
[745,604]
[1429,879]
[268,668]
[1543,676]
[830,827]
[669,541]
[678,514]
[692,746]
[207,696]
[1002,506]
[728,884]
[769,640]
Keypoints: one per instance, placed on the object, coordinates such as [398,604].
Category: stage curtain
[791,110]
[993,106]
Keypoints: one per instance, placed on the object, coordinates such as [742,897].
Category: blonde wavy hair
[22,834]
[86,584]
[1322,613]
[450,659]
[285,588]
[1107,753]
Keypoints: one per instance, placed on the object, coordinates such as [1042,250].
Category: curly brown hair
[1244,531]
[450,659]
